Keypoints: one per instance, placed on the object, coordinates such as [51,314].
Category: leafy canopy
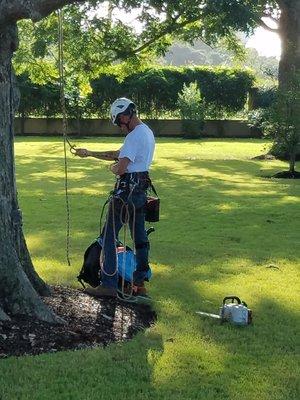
[94,40]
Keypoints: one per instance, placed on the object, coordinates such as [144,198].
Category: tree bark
[289,27]
[3,316]
[25,259]
[19,283]
[289,67]
[292,162]
[14,10]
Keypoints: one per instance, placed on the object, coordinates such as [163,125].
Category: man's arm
[121,166]
[101,155]
[104,155]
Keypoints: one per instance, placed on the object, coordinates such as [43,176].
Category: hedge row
[262,97]
[154,90]
[44,100]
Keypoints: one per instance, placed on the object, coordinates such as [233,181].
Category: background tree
[210,20]
[265,68]
[92,43]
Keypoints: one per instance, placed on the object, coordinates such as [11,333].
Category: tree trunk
[289,66]
[289,26]
[19,283]
[20,286]
[292,162]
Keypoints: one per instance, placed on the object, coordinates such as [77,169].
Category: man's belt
[136,178]
[135,175]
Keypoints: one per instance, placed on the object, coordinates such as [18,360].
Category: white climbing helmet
[121,106]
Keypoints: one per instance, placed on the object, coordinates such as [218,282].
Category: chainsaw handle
[232,298]
[150,230]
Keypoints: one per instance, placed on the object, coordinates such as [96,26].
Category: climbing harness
[121,213]
[124,216]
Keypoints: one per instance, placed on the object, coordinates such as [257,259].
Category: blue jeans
[114,222]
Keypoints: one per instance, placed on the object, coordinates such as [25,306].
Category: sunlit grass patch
[224,229]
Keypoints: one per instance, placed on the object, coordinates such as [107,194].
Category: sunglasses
[118,120]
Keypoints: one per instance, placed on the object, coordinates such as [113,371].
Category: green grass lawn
[225,228]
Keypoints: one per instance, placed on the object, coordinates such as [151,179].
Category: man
[129,197]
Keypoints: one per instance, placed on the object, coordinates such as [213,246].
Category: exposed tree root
[17,295]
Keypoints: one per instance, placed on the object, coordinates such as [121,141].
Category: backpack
[91,272]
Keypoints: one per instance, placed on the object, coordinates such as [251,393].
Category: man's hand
[114,168]
[120,167]
[82,153]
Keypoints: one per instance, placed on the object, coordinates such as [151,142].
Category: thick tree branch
[267,27]
[14,10]
[169,29]
[267,15]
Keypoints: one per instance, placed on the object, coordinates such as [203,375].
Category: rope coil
[124,219]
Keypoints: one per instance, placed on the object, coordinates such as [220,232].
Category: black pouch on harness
[152,207]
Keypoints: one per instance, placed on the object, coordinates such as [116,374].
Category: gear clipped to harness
[152,206]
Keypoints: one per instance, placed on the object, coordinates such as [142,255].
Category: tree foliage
[155,90]
[192,110]
[280,121]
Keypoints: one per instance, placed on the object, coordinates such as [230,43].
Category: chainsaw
[235,312]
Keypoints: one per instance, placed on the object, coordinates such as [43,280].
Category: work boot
[139,289]
[101,291]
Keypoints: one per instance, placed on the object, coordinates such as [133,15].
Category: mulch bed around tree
[287,175]
[90,323]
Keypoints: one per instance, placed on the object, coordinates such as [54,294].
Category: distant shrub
[191,108]
[280,122]
[259,119]
[262,97]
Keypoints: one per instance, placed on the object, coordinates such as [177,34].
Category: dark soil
[90,323]
[287,175]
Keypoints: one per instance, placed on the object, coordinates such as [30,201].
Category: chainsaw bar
[215,316]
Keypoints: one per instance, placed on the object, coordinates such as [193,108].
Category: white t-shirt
[139,147]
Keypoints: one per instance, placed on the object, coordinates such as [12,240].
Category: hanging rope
[62,80]
[64,125]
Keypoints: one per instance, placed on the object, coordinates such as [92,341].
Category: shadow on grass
[229,362]
[217,213]
[221,209]
[122,371]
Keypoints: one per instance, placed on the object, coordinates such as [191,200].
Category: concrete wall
[100,127]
